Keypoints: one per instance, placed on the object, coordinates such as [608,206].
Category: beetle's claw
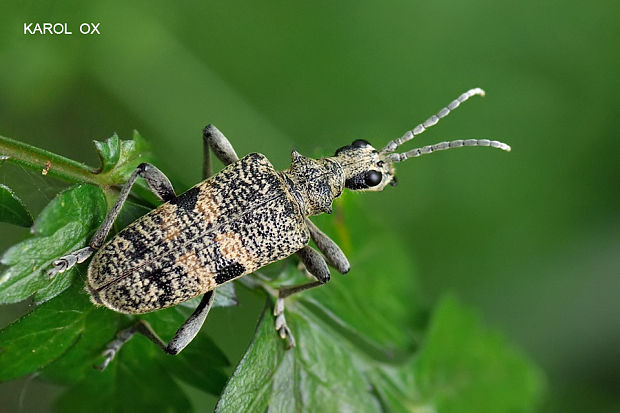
[55,270]
[109,356]
[61,265]
[113,347]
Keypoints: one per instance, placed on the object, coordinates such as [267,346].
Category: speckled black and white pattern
[247,216]
[227,226]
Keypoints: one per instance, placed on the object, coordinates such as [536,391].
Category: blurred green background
[531,238]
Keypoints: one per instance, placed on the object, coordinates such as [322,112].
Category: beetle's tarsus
[280,322]
[281,327]
[115,345]
[67,262]
[279,307]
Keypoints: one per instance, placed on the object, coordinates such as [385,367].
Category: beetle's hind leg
[157,182]
[184,335]
[215,140]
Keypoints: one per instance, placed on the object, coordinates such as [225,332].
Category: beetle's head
[364,167]
[367,169]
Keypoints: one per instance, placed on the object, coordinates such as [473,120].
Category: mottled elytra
[231,224]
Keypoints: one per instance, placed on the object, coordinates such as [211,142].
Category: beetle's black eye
[360,143]
[373,178]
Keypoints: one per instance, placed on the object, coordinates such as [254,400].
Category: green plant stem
[37,159]
[66,169]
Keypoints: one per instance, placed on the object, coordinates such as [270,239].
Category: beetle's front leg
[333,254]
[157,182]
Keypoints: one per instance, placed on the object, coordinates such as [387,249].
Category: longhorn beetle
[246,216]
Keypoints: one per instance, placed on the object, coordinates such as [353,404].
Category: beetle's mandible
[246,216]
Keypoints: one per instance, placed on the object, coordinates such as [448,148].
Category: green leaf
[63,226]
[461,367]
[465,367]
[133,382]
[78,203]
[320,374]
[142,377]
[201,364]
[67,335]
[109,152]
[12,209]
[100,327]
[119,157]
[43,335]
[379,299]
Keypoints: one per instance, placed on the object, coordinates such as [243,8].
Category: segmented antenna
[391,147]
[398,157]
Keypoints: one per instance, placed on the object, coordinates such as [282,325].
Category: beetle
[246,216]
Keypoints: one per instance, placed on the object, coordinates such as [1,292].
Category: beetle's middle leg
[184,335]
[316,265]
[157,182]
